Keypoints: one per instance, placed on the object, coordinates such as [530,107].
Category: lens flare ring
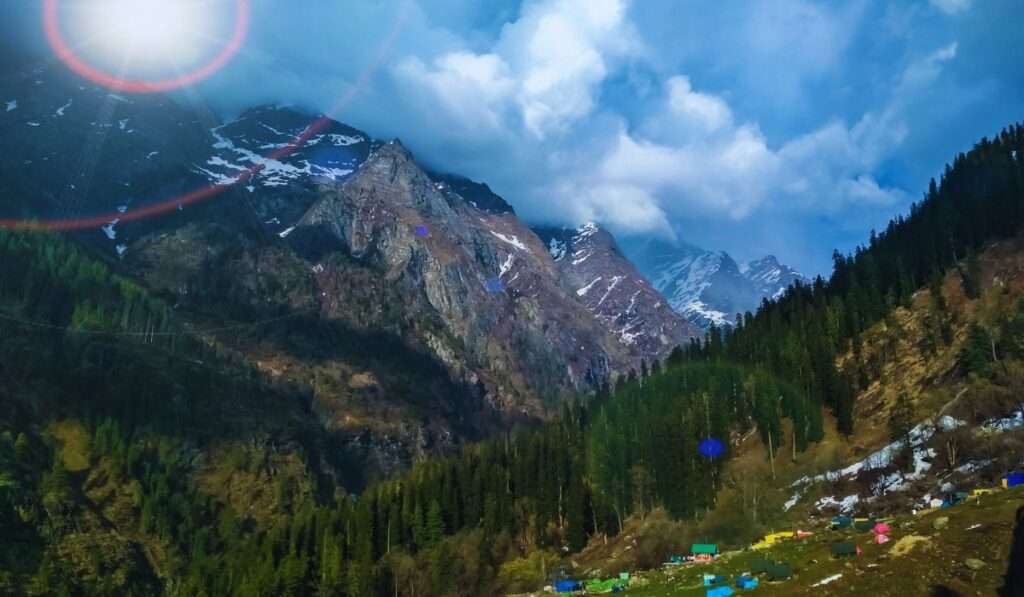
[51,20]
[51,26]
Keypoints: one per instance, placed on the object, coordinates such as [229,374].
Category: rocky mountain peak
[341,229]
[710,287]
[476,194]
[611,288]
[770,277]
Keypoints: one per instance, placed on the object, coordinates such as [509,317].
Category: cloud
[681,153]
[922,73]
[693,110]
[562,50]
[472,89]
[739,124]
[548,64]
[951,7]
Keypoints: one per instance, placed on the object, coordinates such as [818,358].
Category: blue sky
[779,126]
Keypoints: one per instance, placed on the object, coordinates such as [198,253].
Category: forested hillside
[137,458]
[977,200]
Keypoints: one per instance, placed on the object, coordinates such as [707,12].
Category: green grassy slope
[979,529]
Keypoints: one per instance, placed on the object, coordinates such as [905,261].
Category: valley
[249,349]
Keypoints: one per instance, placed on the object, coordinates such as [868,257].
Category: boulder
[974,564]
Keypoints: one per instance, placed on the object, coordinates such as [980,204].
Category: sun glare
[145,35]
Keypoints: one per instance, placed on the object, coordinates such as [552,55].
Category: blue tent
[746,582]
[567,586]
[1013,480]
[723,591]
[711,579]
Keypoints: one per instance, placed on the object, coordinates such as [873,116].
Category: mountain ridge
[710,288]
[343,229]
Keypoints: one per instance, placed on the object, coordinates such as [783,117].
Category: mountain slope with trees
[127,438]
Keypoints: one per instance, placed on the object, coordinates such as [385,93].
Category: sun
[146,35]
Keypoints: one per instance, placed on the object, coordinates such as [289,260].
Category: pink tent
[882,528]
[881,538]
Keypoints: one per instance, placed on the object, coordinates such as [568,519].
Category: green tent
[843,549]
[760,565]
[779,571]
[841,522]
[704,549]
[864,525]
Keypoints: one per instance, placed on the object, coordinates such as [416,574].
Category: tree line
[452,524]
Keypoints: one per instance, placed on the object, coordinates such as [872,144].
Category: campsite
[963,548]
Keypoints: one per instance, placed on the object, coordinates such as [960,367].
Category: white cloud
[562,50]
[921,73]
[687,155]
[951,7]
[521,107]
[472,89]
[697,110]
[719,176]
[547,64]
[629,207]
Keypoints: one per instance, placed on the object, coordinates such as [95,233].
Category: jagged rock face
[611,288]
[477,194]
[710,288]
[342,230]
[506,320]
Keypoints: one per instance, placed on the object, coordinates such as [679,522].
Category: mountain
[709,287]
[614,291]
[415,308]
[478,194]
[771,278]
[190,401]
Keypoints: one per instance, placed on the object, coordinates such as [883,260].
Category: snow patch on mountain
[610,289]
[507,265]
[583,291]
[585,231]
[344,140]
[268,148]
[556,248]
[12,105]
[108,229]
[580,256]
[511,240]
[270,172]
